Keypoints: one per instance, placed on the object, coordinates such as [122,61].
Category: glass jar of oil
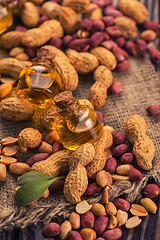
[39,83]
[6,18]
[76,124]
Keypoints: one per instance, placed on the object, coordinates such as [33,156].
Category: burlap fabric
[140,90]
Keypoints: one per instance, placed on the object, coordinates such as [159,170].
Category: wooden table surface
[149,229]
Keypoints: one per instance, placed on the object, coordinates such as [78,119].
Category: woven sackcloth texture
[140,90]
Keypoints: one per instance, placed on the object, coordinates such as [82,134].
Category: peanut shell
[12,39]
[30,15]
[54,165]
[103,74]
[69,19]
[93,12]
[128,27]
[69,76]
[78,6]
[12,67]
[29,138]
[51,10]
[84,63]
[134,9]
[105,57]
[144,151]
[99,161]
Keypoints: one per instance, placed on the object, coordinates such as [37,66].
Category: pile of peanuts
[103,220]
[9,152]
[93,33]
[97,220]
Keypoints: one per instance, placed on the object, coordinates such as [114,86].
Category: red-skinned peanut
[119,138]
[116,88]
[87,220]
[101,225]
[92,189]
[151,190]
[111,165]
[122,204]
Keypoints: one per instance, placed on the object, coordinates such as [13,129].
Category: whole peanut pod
[143,148]
[99,161]
[98,91]
[76,181]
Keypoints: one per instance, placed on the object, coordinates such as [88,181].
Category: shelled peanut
[8,152]
[99,221]
[27,138]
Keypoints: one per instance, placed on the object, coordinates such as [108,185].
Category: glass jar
[6,18]
[39,83]
[76,124]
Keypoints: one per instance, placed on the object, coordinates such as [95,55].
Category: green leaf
[33,190]
[32,177]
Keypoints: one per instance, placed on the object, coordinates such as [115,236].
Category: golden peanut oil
[6,18]
[38,84]
[77,125]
